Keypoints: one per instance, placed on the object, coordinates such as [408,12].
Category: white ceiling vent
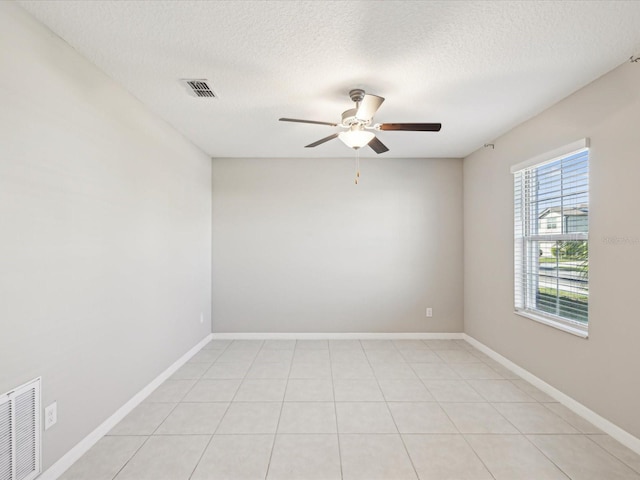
[20,432]
[198,88]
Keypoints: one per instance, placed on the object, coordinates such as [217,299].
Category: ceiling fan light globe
[356,138]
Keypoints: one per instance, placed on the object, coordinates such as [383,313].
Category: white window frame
[521,287]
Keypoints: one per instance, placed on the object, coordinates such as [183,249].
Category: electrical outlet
[50,415]
[429,312]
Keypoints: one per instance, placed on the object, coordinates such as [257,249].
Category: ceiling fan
[358,124]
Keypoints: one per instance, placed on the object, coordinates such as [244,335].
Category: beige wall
[105,234]
[602,372]
[298,247]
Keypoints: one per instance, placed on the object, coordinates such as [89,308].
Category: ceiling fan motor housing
[349,118]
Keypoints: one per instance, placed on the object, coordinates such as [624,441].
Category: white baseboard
[602,423]
[338,336]
[58,468]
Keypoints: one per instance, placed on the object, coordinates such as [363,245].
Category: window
[551,196]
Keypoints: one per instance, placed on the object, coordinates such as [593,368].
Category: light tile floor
[349,409]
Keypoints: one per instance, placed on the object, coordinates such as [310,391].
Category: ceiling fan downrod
[356,95]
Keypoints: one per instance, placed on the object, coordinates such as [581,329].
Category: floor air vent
[20,432]
[199,88]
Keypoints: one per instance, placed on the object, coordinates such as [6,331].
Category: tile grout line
[465,438]
[223,415]
[580,432]
[486,400]
[284,394]
[588,435]
[335,411]
[545,455]
[217,426]
[453,423]
[506,419]
[131,457]
[415,470]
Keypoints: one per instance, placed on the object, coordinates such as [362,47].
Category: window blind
[551,231]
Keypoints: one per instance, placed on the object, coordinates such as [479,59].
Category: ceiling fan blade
[307,121]
[377,146]
[368,107]
[412,127]
[321,141]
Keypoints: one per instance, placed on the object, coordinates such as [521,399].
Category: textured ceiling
[478,67]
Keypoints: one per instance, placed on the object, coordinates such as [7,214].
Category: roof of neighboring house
[580,210]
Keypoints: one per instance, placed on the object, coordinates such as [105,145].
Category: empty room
[319,240]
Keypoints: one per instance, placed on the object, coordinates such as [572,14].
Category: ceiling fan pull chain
[357,165]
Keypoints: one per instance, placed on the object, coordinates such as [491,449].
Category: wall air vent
[198,88]
[20,432]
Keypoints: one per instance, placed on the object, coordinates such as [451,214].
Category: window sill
[574,330]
